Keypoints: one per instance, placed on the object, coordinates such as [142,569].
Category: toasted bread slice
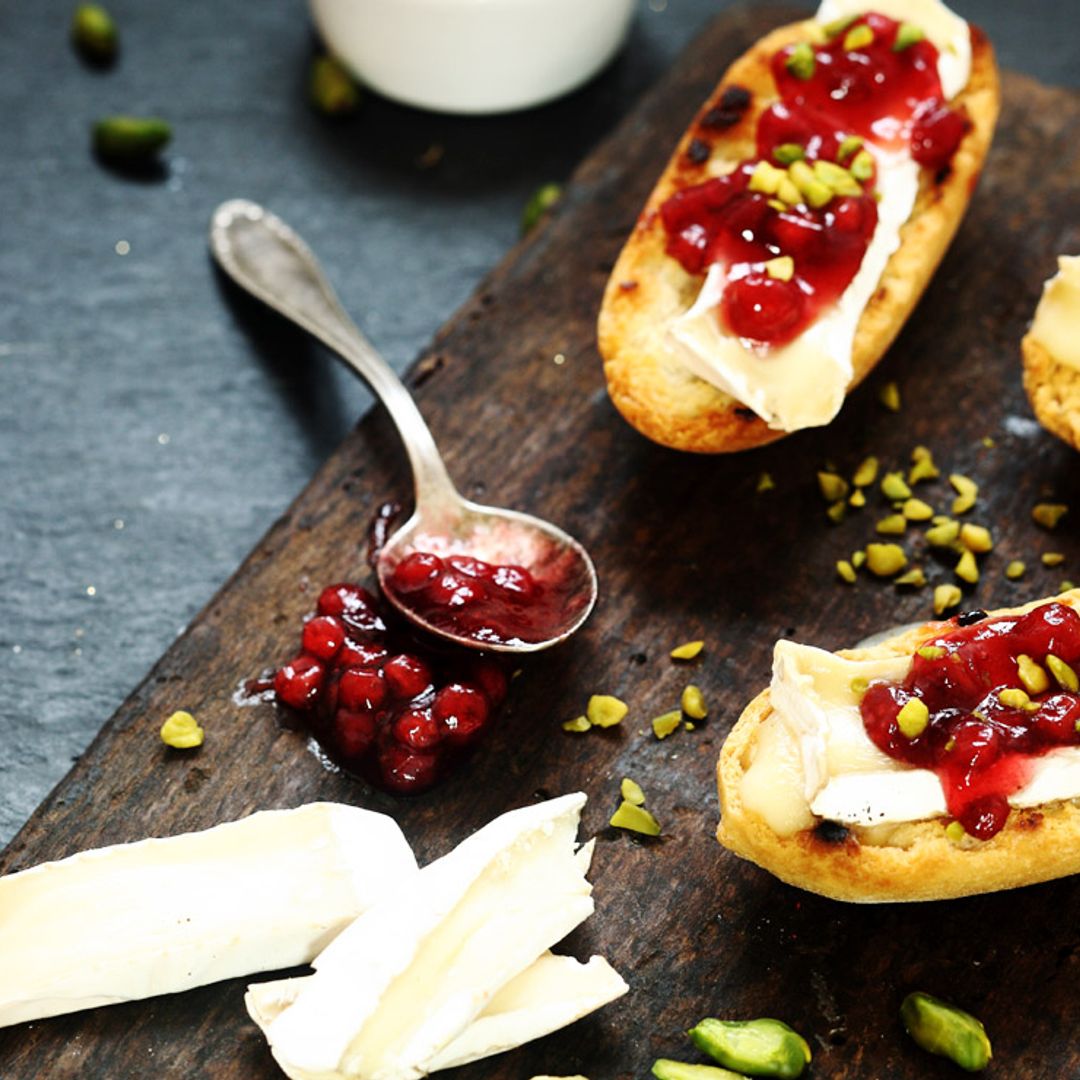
[1053,388]
[910,861]
[648,289]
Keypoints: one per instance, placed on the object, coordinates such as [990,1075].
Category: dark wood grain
[685,549]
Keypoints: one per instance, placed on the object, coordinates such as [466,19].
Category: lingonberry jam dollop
[791,225]
[998,694]
[397,712]
[495,604]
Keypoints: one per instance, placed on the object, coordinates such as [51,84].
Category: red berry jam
[499,605]
[981,746]
[394,712]
[831,95]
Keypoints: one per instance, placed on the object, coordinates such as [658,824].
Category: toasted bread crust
[1053,388]
[647,288]
[913,861]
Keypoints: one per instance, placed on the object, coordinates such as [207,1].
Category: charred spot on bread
[698,152]
[1028,819]
[733,102]
[744,413]
[970,618]
[831,832]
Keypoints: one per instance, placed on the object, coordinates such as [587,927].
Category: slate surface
[147,436]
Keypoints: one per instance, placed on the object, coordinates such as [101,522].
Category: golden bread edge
[1036,845]
[647,288]
[1053,388]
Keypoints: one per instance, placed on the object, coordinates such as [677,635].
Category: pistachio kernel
[689,725]
[906,36]
[845,571]
[1052,558]
[943,535]
[801,61]
[932,652]
[693,703]
[94,34]
[858,558]
[604,710]
[687,651]
[776,204]
[885,560]
[579,723]
[945,597]
[835,513]
[1066,586]
[858,37]
[782,268]
[914,577]
[838,26]
[857,499]
[955,832]
[788,193]
[862,169]
[917,510]
[988,442]
[1015,698]
[181,731]
[859,685]
[967,569]
[832,485]
[976,538]
[1048,514]
[631,792]
[635,819]
[836,177]
[1064,675]
[331,89]
[850,144]
[893,525]
[1015,570]
[667,723]
[816,193]
[894,488]
[788,152]
[967,491]
[913,718]
[866,473]
[923,469]
[1035,680]
[765,483]
[765,178]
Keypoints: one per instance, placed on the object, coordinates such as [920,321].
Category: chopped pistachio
[130,140]
[1015,570]
[1049,514]
[976,538]
[967,569]
[94,33]
[967,492]
[816,193]
[687,651]
[917,510]
[955,832]
[857,499]
[913,718]
[858,558]
[945,597]
[1052,558]
[579,723]
[1063,673]
[331,88]
[765,483]
[848,147]
[538,204]
[1035,680]
[635,819]
[832,485]
[921,453]
[836,177]
[943,535]
[893,525]
[885,560]
[667,723]
[788,152]
[906,36]
[894,487]
[838,26]
[604,710]
[181,731]
[866,473]
[693,703]
[788,192]
[1067,586]
[862,166]
[631,792]
[845,571]
[932,652]
[859,685]
[690,725]
[765,178]
[777,204]
[914,576]
[941,519]
[988,442]
[1014,698]
[835,513]
[923,468]
[858,37]
[801,61]
[782,268]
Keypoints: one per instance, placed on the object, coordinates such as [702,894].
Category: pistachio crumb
[1035,680]
[845,571]
[955,832]
[850,144]
[782,268]
[604,710]
[976,538]
[906,36]
[182,731]
[786,153]
[1015,570]
[923,469]
[635,819]
[893,525]
[885,560]
[832,485]
[631,792]
[687,651]
[913,718]
[943,535]
[765,483]
[1064,675]
[966,490]
[857,499]
[917,510]
[1014,698]
[579,723]
[835,513]
[667,723]
[858,37]
[988,442]
[838,26]
[893,487]
[862,168]
[889,395]
[859,685]
[1067,586]
[693,703]
[915,576]
[1052,558]
[945,597]
[967,569]
[932,652]
[801,61]
[1049,514]
[866,473]
[858,558]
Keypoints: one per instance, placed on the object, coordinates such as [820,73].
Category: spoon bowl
[268,259]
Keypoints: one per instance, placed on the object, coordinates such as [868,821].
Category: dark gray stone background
[150,428]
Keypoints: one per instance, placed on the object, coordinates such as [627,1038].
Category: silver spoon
[265,257]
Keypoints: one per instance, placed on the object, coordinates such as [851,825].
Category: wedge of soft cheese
[813,758]
[802,384]
[1057,318]
[402,991]
[134,920]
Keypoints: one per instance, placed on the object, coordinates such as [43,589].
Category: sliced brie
[1057,318]
[162,915]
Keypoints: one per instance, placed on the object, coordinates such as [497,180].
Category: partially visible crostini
[648,377]
[874,855]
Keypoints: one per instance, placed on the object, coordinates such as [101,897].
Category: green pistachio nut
[755,1047]
[331,88]
[134,139]
[944,1029]
[540,202]
[666,1069]
[93,33]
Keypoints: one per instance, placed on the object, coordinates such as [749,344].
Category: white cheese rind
[1057,318]
[162,915]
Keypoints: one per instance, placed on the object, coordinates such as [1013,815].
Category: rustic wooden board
[684,548]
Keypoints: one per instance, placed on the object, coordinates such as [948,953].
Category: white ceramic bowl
[473,56]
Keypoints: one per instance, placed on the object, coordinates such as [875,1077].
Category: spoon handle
[265,257]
